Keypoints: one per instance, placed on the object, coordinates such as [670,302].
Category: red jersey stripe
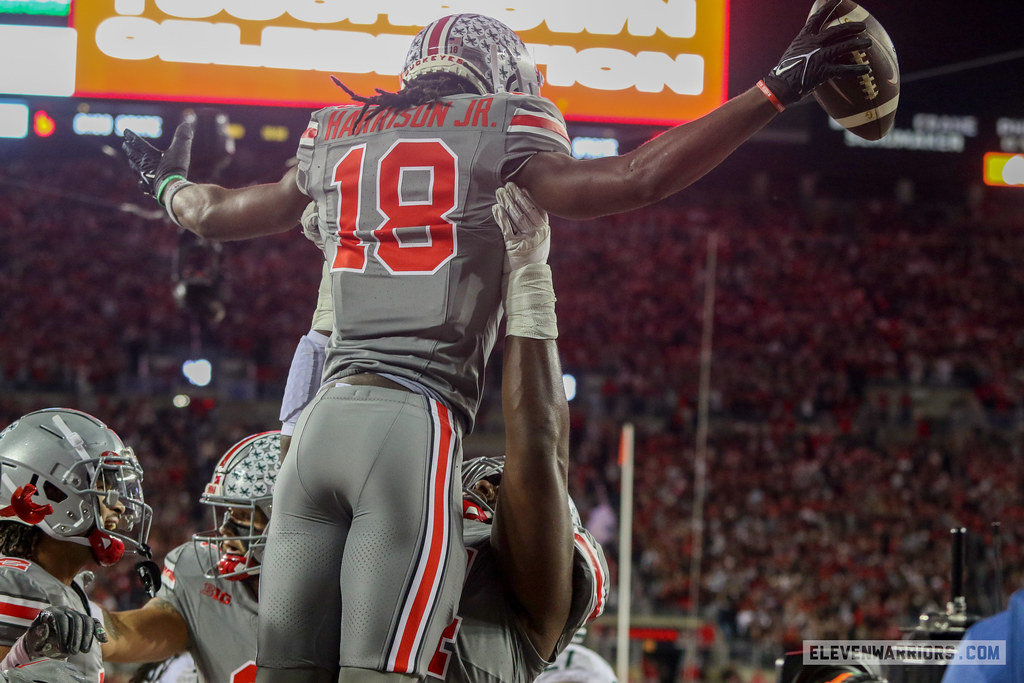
[598,575]
[9,609]
[531,121]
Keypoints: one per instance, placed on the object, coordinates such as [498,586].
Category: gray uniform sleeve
[168,583]
[589,584]
[49,670]
[305,152]
[21,599]
[534,125]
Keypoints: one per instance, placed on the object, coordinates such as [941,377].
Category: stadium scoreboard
[643,61]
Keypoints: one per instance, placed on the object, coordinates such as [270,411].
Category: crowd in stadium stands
[833,478]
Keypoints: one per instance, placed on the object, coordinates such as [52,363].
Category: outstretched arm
[150,634]
[224,214]
[672,161]
[532,530]
[582,189]
[209,210]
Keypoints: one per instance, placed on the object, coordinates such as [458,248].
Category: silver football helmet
[484,51]
[243,481]
[67,473]
[473,504]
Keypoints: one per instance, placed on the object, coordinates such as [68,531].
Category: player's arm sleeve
[21,599]
[169,590]
[589,584]
[532,124]
[307,141]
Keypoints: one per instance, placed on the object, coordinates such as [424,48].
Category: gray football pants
[364,561]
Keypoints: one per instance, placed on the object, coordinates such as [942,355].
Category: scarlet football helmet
[484,51]
[242,481]
[57,466]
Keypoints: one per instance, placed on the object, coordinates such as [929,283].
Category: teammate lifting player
[533,578]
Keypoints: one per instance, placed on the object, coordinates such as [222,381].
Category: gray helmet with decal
[482,50]
[492,468]
[56,468]
[243,480]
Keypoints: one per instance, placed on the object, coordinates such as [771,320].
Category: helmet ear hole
[53,493]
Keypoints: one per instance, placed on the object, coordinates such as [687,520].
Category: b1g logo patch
[211,591]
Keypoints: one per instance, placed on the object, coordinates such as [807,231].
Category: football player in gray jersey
[208,603]
[73,495]
[402,187]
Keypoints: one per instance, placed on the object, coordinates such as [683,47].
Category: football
[864,105]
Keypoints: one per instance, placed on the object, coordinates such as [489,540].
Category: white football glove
[311,226]
[524,226]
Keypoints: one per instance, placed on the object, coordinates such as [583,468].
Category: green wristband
[163,186]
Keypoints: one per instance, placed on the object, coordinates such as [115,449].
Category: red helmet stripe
[438,36]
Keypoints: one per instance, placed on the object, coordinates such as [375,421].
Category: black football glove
[158,169]
[813,58]
[59,632]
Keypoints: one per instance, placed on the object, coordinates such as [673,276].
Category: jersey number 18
[437,164]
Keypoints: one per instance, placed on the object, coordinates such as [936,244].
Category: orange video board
[638,61]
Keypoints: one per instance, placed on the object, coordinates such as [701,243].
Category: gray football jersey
[221,617]
[404,203]
[487,643]
[25,590]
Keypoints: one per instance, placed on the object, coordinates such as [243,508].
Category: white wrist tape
[530,303]
[168,197]
[17,656]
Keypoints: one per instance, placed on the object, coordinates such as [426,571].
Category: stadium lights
[1003,170]
[594,148]
[142,125]
[43,124]
[13,120]
[275,134]
[85,123]
[198,372]
[569,385]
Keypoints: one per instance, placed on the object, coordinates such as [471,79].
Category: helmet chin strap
[107,550]
[230,563]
